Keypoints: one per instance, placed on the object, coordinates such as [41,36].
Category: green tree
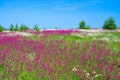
[11,27]
[23,27]
[56,28]
[110,24]
[1,28]
[87,27]
[82,25]
[36,28]
[16,28]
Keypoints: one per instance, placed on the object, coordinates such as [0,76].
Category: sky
[58,13]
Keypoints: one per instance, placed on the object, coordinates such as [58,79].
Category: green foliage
[36,28]
[25,75]
[23,27]
[75,77]
[16,28]
[87,27]
[110,24]
[82,25]
[56,28]
[1,71]
[44,28]
[1,28]
[11,27]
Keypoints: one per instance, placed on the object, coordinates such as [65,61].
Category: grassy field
[60,55]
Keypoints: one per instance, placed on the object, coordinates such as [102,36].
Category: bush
[24,28]
[16,28]
[56,28]
[110,24]
[87,27]
[82,25]
[11,27]
[36,28]
[1,28]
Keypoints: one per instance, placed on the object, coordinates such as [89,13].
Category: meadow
[60,55]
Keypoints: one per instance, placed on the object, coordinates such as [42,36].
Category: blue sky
[58,13]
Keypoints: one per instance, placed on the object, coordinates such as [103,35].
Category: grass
[60,57]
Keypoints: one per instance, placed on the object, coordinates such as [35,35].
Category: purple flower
[37,58]
[115,62]
[0,58]
[108,77]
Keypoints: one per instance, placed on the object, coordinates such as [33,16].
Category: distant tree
[36,28]
[56,28]
[82,25]
[87,27]
[110,24]
[23,27]
[16,28]
[11,27]
[44,28]
[1,28]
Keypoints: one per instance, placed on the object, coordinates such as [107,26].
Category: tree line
[18,28]
[109,24]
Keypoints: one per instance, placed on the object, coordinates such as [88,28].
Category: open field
[60,55]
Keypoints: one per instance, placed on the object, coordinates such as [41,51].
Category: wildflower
[84,70]
[88,74]
[115,62]
[0,59]
[79,72]
[108,77]
[94,72]
[74,69]
[98,75]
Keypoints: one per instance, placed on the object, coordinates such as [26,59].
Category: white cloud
[96,2]
[70,6]
[64,5]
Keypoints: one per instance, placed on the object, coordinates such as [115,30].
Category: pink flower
[108,77]
[51,70]
[79,72]
[37,58]
[115,62]
[101,66]
[0,58]
[89,57]
[109,68]
[44,66]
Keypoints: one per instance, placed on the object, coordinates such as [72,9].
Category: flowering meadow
[60,55]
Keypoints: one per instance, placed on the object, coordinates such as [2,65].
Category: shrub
[110,24]
[36,28]
[56,28]
[1,28]
[44,28]
[87,27]
[16,28]
[11,27]
[24,28]
[82,25]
